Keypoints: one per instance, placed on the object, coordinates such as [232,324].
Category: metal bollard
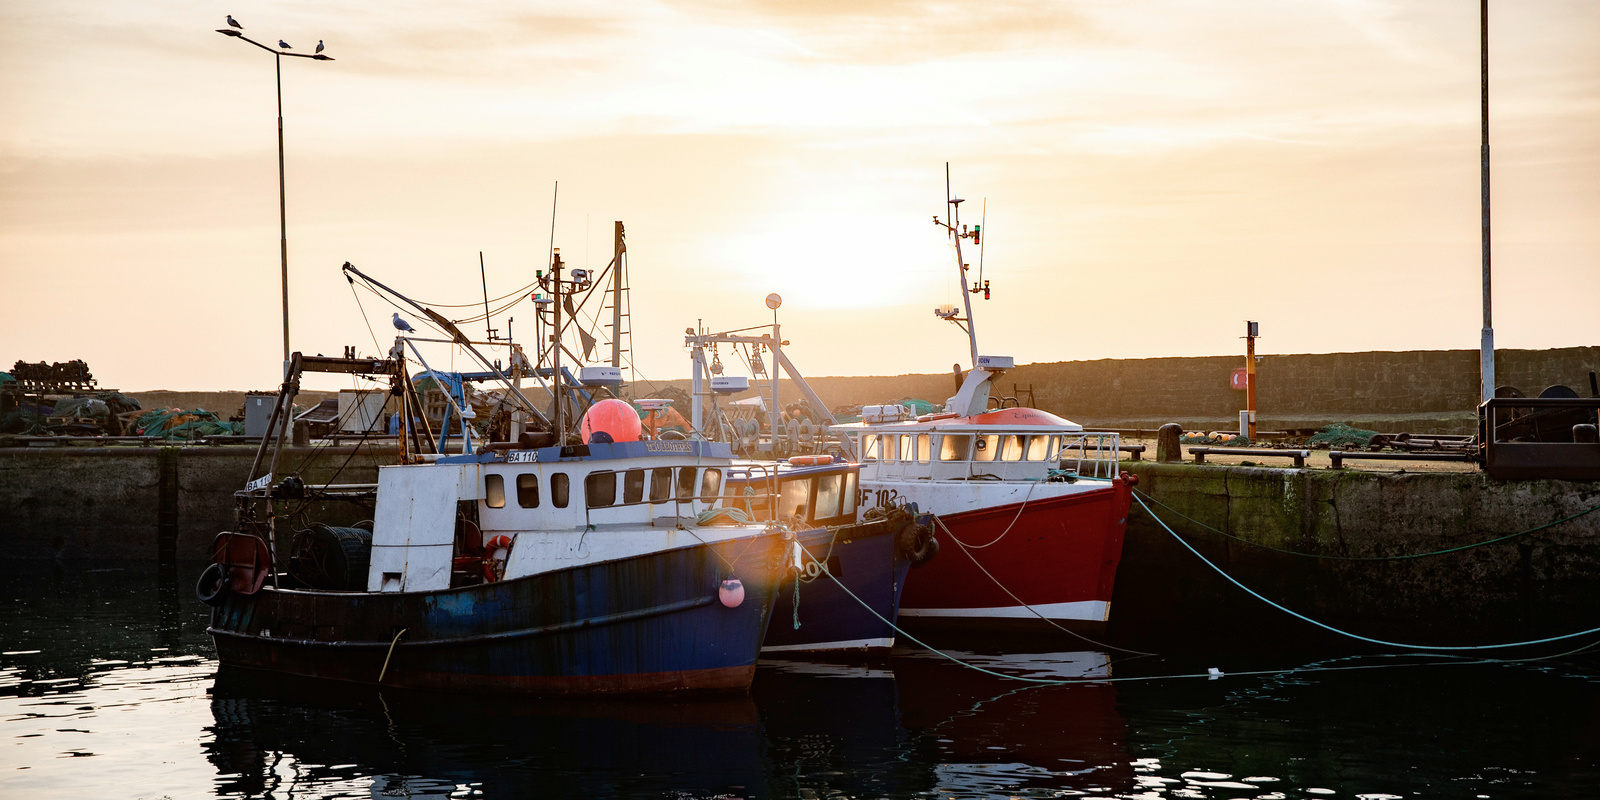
[1167,444]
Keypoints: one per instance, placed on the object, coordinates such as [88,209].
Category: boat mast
[952,224]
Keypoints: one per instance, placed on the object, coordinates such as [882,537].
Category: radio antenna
[484,276]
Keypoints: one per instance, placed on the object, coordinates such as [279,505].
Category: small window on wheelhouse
[891,446]
[794,498]
[710,485]
[686,478]
[1011,447]
[632,486]
[955,447]
[1040,448]
[849,496]
[528,490]
[908,448]
[924,454]
[660,484]
[830,489]
[494,490]
[869,447]
[600,489]
[560,488]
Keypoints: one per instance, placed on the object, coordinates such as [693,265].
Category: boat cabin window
[869,447]
[794,497]
[924,453]
[632,486]
[528,490]
[955,447]
[600,489]
[710,485]
[686,478]
[559,489]
[1040,448]
[660,484]
[848,509]
[987,446]
[1011,447]
[891,447]
[908,447]
[830,490]
[494,490]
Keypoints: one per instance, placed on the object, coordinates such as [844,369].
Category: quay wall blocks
[71,503]
[1433,389]
[1531,586]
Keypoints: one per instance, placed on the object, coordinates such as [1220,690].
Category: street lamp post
[283,217]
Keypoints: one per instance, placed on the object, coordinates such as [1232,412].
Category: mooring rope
[1545,526]
[1020,509]
[1356,636]
[1031,609]
[1208,675]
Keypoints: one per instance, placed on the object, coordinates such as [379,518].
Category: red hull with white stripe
[1053,557]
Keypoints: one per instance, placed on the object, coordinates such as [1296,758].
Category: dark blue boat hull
[865,560]
[642,624]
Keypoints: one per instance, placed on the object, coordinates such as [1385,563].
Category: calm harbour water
[109,688]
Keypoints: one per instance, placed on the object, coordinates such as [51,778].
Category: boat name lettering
[669,447]
[522,456]
[259,483]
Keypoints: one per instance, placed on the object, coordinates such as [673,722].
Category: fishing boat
[1029,508]
[540,565]
[844,591]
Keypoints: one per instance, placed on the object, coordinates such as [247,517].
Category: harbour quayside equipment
[534,565]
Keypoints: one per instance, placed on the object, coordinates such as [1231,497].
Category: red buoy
[613,417]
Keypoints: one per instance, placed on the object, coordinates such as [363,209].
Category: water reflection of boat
[276,736]
[991,733]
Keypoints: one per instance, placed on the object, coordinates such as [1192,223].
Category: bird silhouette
[319,45]
[285,45]
[402,325]
[234,22]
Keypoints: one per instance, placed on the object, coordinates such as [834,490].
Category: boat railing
[1090,454]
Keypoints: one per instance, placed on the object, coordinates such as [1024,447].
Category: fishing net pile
[1339,434]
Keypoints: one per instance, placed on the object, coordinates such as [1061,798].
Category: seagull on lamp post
[319,45]
[234,23]
[285,45]
[402,325]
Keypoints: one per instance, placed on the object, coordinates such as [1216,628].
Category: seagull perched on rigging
[319,45]
[285,45]
[402,325]
[235,23]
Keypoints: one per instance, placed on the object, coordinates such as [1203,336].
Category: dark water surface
[109,688]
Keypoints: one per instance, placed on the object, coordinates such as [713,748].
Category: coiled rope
[1545,526]
[1356,636]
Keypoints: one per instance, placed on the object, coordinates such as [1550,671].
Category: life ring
[809,461]
[495,568]
[212,589]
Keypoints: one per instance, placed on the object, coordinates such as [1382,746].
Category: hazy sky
[1155,173]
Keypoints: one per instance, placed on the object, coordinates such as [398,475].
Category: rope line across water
[1356,636]
[1545,526]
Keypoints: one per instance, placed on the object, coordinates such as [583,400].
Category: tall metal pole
[283,209]
[1486,359]
[617,249]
